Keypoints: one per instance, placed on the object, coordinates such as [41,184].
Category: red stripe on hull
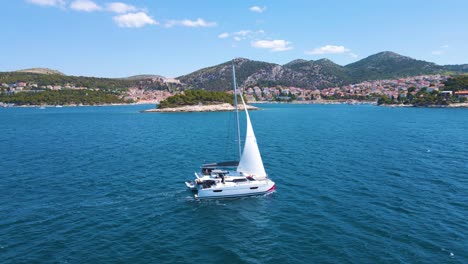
[272,188]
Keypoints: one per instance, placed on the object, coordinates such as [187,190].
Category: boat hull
[240,190]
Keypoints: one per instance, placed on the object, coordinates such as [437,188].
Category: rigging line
[227,142]
[236,108]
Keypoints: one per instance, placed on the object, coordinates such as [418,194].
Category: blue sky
[171,38]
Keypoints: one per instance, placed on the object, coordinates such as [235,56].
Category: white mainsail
[251,162]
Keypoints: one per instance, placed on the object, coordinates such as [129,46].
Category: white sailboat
[232,178]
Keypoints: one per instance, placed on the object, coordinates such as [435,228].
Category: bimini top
[220,164]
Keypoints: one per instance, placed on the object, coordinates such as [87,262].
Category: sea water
[355,184]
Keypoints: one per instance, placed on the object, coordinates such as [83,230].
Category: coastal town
[151,91]
[365,91]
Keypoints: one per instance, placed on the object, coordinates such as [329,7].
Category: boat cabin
[208,183]
[206,169]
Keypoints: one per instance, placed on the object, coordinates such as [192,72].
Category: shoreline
[58,106]
[454,105]
[321,102]
[69,105]
[250,107]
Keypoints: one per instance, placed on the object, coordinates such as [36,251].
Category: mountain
[313,74]
[41,71]
[388,64]
[219,77]
[294,62]
[320,73]
[300,73]
[456,68]
[144,77]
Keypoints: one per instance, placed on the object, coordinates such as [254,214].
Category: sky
[107,38]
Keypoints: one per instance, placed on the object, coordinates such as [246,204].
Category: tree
[456,83]
[411,89]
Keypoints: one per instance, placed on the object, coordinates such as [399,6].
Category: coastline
[199,108]
[454,105]
[320,102]
[218,108]
[59,106]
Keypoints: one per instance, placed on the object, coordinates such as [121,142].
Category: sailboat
[245,177]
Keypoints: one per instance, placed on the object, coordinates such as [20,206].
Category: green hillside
[57,79]
[62,97]
[387,65]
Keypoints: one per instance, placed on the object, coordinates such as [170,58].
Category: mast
[237,109]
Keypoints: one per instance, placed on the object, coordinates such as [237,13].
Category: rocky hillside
[300,73]
[41,71]
[219,77]
[457,68]
[144,77]
[312,74]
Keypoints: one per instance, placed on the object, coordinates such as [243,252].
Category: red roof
[462,92]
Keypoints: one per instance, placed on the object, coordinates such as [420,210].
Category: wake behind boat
[232,178]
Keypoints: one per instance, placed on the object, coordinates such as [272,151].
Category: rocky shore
[319,102]
[199,108]
[453,105]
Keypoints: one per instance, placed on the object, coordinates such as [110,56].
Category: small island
[198,101]
[199,108]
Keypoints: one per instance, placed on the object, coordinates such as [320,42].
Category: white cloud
[134,20]
[242,33]
[190,23]
[257,9]
[328,49]
[353,55]
[47,2]
[440,51]
[84,5]
[119,7]
[272,45]
[223,35]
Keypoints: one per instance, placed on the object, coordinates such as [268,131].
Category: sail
[251,162]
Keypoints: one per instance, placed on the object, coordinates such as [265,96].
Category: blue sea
[355,184]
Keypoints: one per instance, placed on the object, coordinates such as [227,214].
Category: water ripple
[354,184]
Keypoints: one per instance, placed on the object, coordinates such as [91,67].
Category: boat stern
[190,185]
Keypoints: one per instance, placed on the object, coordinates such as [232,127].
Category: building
[447,93]
[462,94]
